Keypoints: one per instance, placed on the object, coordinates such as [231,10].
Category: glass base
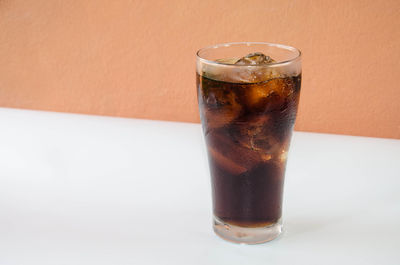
[247,235]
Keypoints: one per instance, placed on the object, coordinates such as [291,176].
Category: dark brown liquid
[247,129]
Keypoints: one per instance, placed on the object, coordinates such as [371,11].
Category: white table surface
[77,189]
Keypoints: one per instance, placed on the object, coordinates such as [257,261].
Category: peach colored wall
[136,58]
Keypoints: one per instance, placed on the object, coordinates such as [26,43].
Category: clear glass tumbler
[248,94]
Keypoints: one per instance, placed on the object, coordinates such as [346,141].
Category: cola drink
[247,109]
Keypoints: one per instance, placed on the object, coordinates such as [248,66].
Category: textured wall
[136,58]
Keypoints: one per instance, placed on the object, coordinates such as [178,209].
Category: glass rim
[248,43]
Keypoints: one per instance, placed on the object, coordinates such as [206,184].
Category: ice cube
[244,131]
[266,144]
[225,163]
[219,104]
[251,74]
[256,58]
[256,134]
[283,86]
[227,60]
[221,108]
[256,96]
[271,95]
[216,118]
[229,154]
